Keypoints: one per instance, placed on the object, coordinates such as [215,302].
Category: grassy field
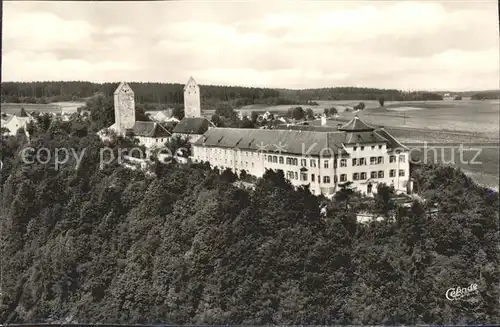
[465,115]
[56,107]
[478,162]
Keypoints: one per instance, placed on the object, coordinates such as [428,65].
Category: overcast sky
[405,45]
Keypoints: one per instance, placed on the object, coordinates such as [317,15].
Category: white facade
[322,174]
[192,99]
[365,164]
[190,137]
[374,164]
[160,116]
[14,123]
[152,142]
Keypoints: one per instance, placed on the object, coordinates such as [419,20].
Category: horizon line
[262,87]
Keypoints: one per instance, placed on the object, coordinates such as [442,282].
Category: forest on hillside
[186,246]
[154,94]
[487,95]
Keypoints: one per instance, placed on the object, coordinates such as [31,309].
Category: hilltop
[90,244]
[474,95]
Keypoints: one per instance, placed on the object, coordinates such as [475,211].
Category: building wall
[191,137]
[150,142]
[124,109]
[385,166]
[15,123]
[323,175]
[192,100]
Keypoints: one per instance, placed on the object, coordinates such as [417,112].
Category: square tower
[124,108]
[192,102]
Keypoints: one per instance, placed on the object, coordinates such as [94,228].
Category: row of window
[155,139]
[343,162]
[377,174]
[312,162]
[231,151]
[291,161]
[236,162]
[361,148]
[293,175]
[373,161]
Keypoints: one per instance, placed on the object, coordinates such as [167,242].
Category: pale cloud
[44,31]
[120,30]
[411,45]
[47,64]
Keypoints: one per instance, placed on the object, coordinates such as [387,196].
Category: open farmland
[465,115]
[56,107]
[480,162]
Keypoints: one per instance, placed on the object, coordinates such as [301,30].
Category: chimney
[323,120]
[339,125]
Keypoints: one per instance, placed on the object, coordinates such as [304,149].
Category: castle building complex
[356,153]
[323,158]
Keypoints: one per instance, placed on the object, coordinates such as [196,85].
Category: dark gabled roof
[363,137]
[169,125]
[392,143]
[23,113]
[272,140]
[311,128]
[149,129]
[299,142]
[351,137]
[193,125]
[357,125]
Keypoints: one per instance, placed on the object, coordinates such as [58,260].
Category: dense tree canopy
[186,246]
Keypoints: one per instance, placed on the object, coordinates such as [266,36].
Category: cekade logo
[457,293]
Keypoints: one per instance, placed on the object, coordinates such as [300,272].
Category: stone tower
[192,102]
[124,108]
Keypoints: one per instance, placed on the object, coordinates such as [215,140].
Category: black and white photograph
[245,163]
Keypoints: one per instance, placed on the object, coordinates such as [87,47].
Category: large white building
[355,152]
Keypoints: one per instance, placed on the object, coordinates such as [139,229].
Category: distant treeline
[211,95]
[359,93]
[490,95]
